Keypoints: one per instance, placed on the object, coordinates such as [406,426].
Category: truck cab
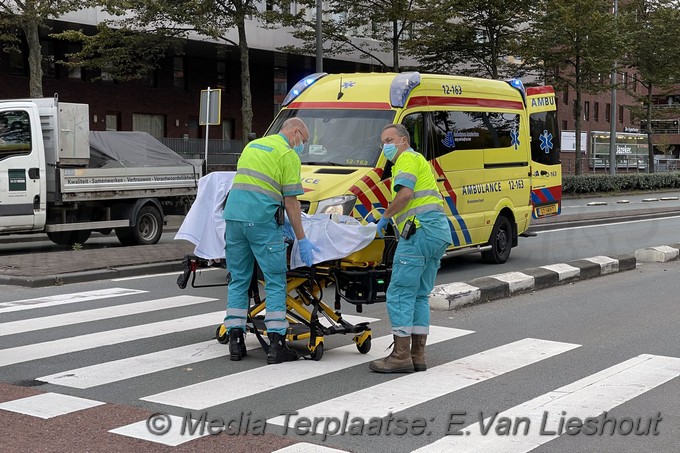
[22,165]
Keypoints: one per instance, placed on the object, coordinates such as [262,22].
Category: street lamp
[612,129]
[319,41]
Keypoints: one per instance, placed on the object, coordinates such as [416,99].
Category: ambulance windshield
[348,138]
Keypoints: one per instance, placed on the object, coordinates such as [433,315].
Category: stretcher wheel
[221,334]
[317,353]
[365,346]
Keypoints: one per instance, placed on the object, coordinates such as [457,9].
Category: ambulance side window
[415,125]
[452,130]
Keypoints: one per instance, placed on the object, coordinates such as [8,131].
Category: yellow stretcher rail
[360,278]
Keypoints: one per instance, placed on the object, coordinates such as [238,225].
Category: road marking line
[174,437]
[98,314]
[379,400]
[588,397]
[48,405]
[240,385]
[52,348]
[62,299]
[305,447]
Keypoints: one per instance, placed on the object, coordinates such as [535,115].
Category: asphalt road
[607,344]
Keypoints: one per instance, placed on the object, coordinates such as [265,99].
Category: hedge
[581,184]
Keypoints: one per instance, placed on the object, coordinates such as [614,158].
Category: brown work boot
[399,361]
[418,352]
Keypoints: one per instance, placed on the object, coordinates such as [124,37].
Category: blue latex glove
[306,248]
[288,230]
[382,224]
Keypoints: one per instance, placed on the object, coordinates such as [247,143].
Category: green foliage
[584,184]
[476,43]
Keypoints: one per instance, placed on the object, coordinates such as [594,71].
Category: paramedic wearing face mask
[267,177]
[417,210]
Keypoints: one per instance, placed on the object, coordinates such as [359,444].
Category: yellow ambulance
[493,146]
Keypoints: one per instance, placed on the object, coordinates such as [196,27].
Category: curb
[93,275]
[455,295]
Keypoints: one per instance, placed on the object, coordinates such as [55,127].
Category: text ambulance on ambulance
[493,147]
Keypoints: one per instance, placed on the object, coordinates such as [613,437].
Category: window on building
[566,95]
[608,112]
[150,78]
[625,80]
[17,64]
[153,124]
[106,76]
[228,128]
[178,79]
[49,60]
[73,73]
[596,111]
[635,81]
[112,121]
[621,114]
[586,110]
[221,71]
[564,124]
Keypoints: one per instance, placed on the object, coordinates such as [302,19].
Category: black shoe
[186,272]
[278,351]
[237,345]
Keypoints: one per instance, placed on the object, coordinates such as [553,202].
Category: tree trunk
[34,59]
[650,144]
[246,97]
[578,164]
[395,46]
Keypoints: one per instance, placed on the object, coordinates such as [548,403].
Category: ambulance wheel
[221,334]
[500,242]
[317,353]
[365,346]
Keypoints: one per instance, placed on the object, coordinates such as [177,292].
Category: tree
[146,25]
[384,22]
[469,37]
[653,51]
[27,17]
[575,43]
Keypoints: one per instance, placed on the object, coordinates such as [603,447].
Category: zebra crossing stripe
[379,400]
[62,299]
[240,385]
[52,348]
[118,370]
[588,397]
[306,447]
[175,434]
[48,405]
[98,314]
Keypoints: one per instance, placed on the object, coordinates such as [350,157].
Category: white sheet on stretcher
[336,236]
[203,225]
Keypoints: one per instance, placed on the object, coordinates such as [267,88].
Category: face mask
[299,148]
[389,150]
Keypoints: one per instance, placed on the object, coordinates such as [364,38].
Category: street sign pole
[207,129]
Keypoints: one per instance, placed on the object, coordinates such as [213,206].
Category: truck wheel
[69,237]
[500,242]
[147,230]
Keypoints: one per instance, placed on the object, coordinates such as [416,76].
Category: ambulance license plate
[546,210]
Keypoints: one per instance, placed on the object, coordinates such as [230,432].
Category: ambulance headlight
[342,205]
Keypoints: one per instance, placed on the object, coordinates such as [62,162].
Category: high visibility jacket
[413,171]
[267,171]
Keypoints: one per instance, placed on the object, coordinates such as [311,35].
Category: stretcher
[359,279]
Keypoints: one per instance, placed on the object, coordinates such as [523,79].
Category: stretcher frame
[360,279]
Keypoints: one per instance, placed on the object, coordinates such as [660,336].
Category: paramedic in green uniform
[417,209]
[267,177]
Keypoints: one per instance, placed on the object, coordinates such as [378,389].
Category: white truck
[60,178]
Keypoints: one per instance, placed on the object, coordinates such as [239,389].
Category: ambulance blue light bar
[401,87]
[301,86]
[519,86]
